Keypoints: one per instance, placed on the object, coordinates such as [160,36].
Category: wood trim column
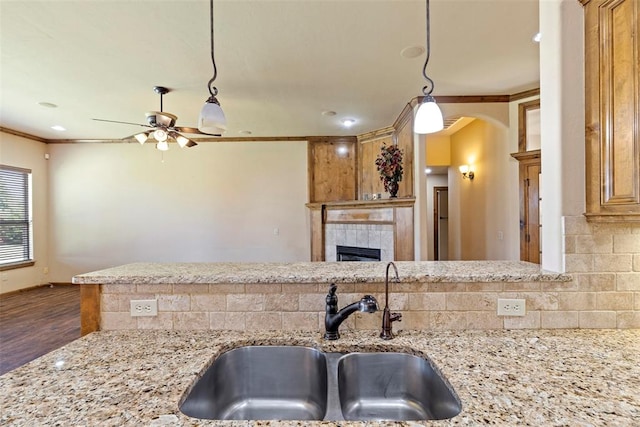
[403,234]
[89,308]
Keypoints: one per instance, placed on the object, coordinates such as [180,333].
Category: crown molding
[22,134]
[403,116]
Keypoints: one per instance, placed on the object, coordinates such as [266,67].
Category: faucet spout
[387,317]
[334,318]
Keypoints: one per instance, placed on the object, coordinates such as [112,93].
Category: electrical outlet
[144,307]
[511,307]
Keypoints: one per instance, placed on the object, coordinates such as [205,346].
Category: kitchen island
[525,377]
[280,296]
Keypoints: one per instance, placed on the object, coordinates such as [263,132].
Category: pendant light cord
[430,85]
[212,89]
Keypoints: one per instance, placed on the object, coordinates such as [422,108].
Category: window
[16,239]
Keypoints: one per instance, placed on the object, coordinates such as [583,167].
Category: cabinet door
[404,136]
[332,169]
[530,211]
[370,177]
[612,73]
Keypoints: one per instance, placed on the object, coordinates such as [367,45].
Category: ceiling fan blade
[182,129]
[122,123]
[133,137]
[191,144]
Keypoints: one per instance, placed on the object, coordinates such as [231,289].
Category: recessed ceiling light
[244,132]
[58,128]
[348,122]
[47,105]
[328,113]
[537,37]
[412,51]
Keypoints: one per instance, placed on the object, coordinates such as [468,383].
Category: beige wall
[480,217]
[29,154]
[113,204]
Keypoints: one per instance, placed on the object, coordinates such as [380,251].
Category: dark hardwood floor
[37,321]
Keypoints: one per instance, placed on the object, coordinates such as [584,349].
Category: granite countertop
[526,377]
[320,272]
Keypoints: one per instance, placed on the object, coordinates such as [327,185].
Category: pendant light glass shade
[212,120]
[428,117]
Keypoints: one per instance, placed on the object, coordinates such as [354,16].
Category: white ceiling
[280,63]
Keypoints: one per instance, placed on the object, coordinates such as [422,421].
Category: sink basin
[393,386]
[261,383]
[302,383]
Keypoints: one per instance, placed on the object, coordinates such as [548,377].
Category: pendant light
[212,120]
[428,117]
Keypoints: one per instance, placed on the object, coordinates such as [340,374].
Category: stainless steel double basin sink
[302,383]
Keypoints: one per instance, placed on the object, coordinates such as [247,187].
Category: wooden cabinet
[401,134]
[332,169]
[612,115]
[369,147]
[404,139]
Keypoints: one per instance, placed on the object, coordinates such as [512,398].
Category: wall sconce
[466,172]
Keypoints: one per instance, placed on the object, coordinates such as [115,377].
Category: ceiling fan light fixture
[428,117]
[142,137]
[162,145]
[180,139]
[160,135]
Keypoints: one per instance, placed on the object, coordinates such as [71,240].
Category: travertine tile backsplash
[604,260]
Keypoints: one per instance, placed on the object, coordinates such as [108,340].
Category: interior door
[530,224]
[441,223]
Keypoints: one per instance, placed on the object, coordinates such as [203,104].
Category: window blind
[15,215]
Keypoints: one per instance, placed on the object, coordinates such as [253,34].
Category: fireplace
[385,225]
[354,253]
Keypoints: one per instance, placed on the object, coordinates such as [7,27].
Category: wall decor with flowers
[389,164]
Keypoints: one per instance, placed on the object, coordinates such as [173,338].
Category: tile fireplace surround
[385,224]
[370,236]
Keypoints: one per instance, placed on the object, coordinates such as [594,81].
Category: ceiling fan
[163,128]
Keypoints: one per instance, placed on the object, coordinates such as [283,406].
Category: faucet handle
[396,317]
[332,298]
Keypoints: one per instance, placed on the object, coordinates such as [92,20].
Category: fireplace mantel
[395,214]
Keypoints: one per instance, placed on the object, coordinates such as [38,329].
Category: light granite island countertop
[320,272]
[526,377]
